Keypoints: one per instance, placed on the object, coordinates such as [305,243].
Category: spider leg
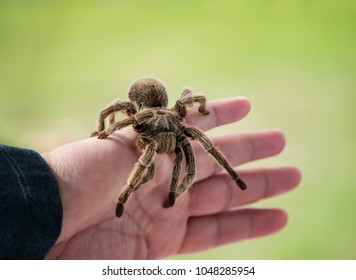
[148,176]
[113,127]
[190,170]
[210,148]
[188,98]
[175,177]
[112,118]
[144,161]
[117,106]
[190,166]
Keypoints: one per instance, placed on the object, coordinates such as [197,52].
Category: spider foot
[203,111]
[241,184]
[171,200]
[102,135]
[119,209]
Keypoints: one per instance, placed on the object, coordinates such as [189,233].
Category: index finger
[222,111]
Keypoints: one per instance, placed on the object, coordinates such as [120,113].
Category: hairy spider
[162,131]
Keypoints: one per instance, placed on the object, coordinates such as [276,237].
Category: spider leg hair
[188,98]
[143,163]
[177,166]
[190,166]
[117,106]
[113,127]
[112,118]
[199,136]
[148,176]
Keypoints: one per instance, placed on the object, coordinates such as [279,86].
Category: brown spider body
[161,131]
[162,126]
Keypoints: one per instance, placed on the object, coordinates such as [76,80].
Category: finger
[214,230]
[220,193]
[238,149]
[223,111]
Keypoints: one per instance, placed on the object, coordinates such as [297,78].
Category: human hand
[91,174]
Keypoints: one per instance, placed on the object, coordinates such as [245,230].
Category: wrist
[63,193]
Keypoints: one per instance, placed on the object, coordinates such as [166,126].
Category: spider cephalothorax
[161,131]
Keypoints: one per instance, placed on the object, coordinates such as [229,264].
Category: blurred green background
[62,61]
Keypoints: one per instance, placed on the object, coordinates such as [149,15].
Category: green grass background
[61,61]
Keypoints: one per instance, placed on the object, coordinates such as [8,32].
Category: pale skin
[92,172]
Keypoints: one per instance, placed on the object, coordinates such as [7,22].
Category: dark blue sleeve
[30,205]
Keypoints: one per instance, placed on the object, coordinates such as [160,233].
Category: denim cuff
[30,206]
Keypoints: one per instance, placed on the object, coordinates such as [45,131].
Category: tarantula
[161,131]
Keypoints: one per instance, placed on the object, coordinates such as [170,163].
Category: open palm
[91,174]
